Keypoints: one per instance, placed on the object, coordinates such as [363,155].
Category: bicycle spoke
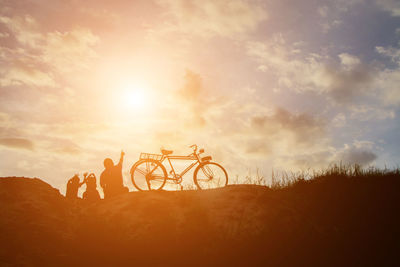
[141,171]
[208,172]
[149,175]
[210,175]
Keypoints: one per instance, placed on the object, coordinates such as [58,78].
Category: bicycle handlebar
[194,147]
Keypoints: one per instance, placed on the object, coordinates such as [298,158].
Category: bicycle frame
[175,177]
[189,157]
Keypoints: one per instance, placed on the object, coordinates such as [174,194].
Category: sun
[134,97]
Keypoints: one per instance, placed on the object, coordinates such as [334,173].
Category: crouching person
[91,192]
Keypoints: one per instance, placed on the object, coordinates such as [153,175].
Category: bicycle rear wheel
[210,175]
[148,175]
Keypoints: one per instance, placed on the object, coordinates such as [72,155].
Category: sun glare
[134,98]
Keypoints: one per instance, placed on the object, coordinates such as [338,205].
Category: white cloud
[70,51]
[344,5]
[398,32]
[371,112]
[391,52]
[23,72]
[360,152]
[24,28]
[313,72]
[323,11]
[389,79]
[327,26]
[36,57]
[209,17]
[283,134]
[392,6]
[388,87]
[339,120]
[348,60]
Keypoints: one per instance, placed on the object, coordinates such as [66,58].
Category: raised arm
[121,160]
[84,179]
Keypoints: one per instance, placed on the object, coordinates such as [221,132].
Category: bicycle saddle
[166,152]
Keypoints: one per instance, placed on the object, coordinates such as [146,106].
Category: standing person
[111,178]
[91,192]
[73,187]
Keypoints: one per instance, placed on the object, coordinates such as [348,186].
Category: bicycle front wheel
[148,175]
[210,175]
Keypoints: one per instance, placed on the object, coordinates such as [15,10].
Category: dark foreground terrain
[332,220]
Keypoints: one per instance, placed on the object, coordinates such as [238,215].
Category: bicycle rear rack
[156,157]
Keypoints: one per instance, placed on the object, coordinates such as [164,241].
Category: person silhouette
[91,192]
[73,187]
[111,178]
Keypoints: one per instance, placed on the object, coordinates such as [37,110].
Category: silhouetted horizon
[334,219]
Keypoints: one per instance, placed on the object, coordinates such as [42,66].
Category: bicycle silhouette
[149,173]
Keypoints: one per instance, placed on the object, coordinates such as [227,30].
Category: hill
[334,219]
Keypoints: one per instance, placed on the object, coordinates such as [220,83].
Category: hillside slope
[327,221]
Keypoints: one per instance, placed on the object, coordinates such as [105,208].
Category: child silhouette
[91,192]
[73,187]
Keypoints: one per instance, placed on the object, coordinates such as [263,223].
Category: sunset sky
[274,84]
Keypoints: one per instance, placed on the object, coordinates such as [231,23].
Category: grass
[280,180]
[284,179]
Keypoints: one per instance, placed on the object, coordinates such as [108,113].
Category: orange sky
[258,84]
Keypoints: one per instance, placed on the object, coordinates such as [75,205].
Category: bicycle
[149,173]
